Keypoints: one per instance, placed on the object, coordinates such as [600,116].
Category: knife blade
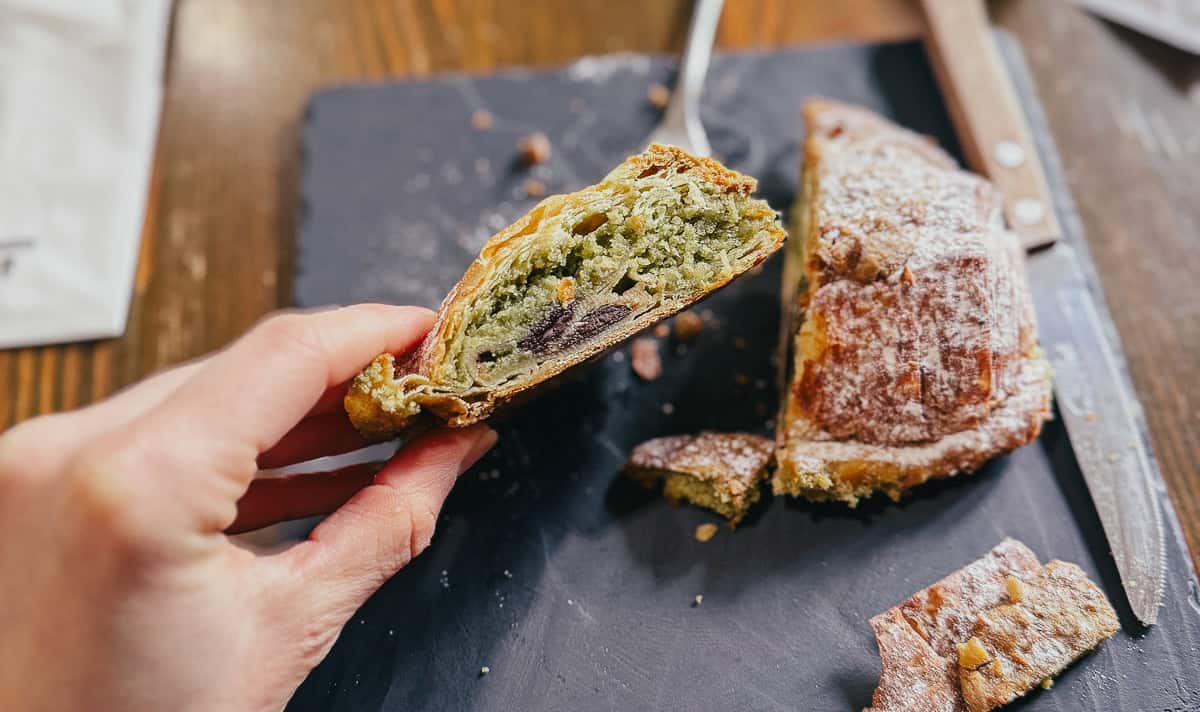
[1095,399]
[1102,422]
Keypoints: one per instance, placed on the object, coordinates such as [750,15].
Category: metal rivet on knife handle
[1008,154]
[1029,211]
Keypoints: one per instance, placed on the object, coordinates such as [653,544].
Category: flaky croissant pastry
[576,275]
[914,349]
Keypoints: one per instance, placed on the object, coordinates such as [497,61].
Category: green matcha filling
[595,270]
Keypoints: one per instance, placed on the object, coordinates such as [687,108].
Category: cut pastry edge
[988,633]
[816,465]
[740,233]
[722,472]
[850,471]
[382,405]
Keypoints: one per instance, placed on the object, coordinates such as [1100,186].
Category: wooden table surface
[220,226]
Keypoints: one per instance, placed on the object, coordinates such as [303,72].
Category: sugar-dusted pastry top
[720,471]
[987,633]
[915,351]
[1051,618]
[577,274]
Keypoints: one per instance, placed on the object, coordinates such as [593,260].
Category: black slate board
[576,589]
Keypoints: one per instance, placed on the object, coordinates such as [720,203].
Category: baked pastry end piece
[987,633]
[1052,618]
[717,471]
[913,345]
[574,276]
[851,470]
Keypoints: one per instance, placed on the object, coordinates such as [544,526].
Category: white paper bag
[80,93]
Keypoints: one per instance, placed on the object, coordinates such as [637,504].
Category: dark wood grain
[220,228]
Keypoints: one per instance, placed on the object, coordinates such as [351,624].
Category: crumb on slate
[697,600]
[661,330]
[534,188]
[481,120]
[704,532]
[484,670]
[668,408]
[647,364]
[688,325]
[534,148]
[658,96]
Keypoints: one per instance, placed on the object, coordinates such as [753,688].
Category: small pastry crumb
[566,290]
[534,149]
[668,408]
[481,120]
[1016,590]
[718,471]
[697,600]
[647,364]
[534,188]
[484,670]
[971,654]
[687,326]
[658,96]
[661,330]
[706,531]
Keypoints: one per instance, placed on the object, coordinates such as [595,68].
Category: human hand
[120,589]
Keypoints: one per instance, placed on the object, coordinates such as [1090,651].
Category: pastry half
[913,347]
[577,274]
[718,471]
[988,633]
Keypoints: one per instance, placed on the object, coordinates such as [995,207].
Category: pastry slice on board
[577,274]
[913,347]
[987,633]
[719,471]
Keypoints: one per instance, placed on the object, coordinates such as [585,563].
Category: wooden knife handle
[991,126]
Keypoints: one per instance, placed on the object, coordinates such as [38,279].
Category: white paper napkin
[80,92]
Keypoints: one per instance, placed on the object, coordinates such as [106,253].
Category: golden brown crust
[913,678]
[1059,616]
[720,471]
[915,351]
[374,401]
[987,633]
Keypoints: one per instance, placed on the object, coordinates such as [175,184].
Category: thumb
[381,528]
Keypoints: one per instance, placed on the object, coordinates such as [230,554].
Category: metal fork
[680,125]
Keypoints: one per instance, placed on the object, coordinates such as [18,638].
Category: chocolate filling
[597,321]
[557,332]
[549,329]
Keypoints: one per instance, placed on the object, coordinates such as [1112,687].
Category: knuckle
[394,548]
[423,520]
[100,485]
[316,636]
[23,452]
[408,528]
[293,331]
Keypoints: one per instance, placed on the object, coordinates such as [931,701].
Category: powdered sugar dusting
[736,460]
[1019,641]
[919,323]
[945,612]
[1012,424]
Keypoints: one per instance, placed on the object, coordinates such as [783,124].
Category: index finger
[252,393]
